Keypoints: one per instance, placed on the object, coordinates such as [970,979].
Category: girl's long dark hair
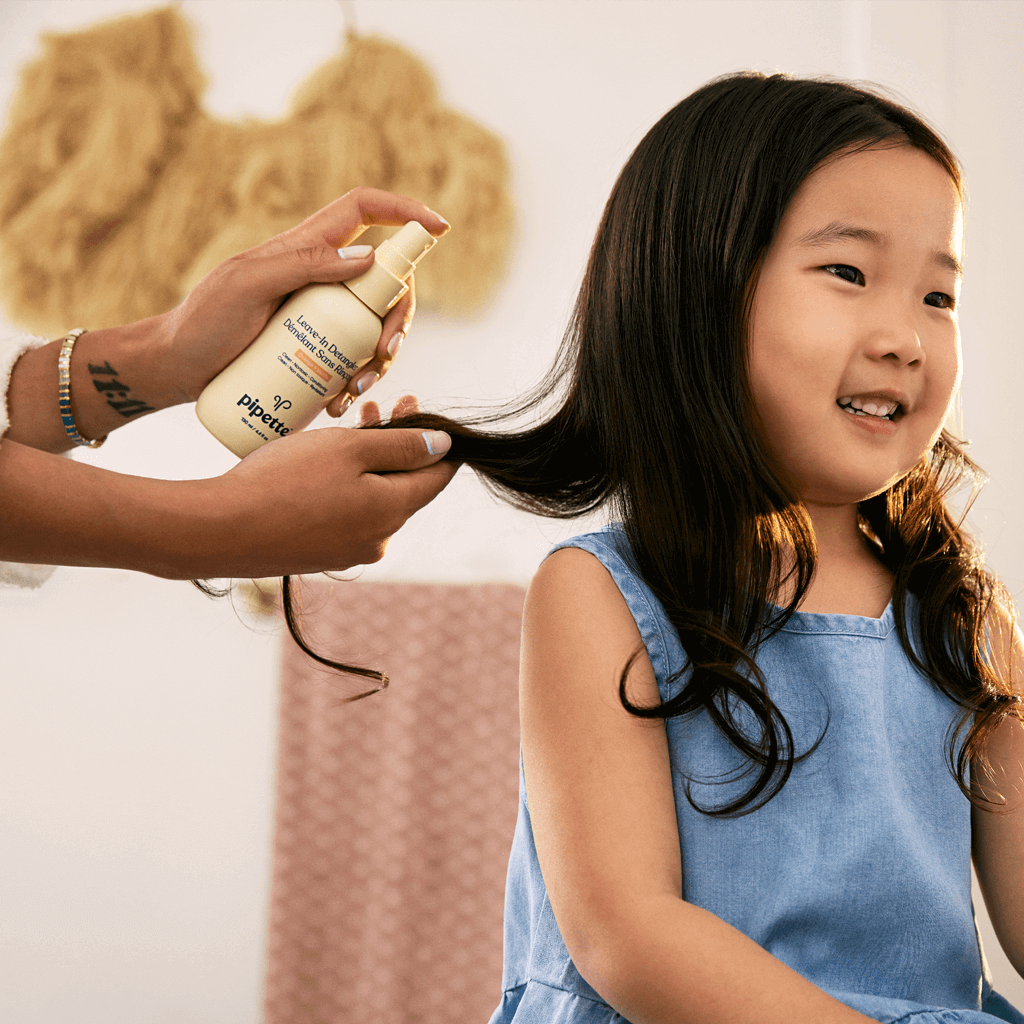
[654,419]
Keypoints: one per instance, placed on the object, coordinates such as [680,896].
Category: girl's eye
[841,270]
[944,301]
[940,300]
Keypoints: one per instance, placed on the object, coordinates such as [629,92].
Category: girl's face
[856,308]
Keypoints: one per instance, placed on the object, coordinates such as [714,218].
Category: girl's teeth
[858,407]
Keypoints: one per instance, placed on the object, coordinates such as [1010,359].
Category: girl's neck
[849,578]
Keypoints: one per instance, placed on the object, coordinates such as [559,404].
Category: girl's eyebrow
[839,231]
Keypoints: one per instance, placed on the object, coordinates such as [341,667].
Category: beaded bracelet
[64,390]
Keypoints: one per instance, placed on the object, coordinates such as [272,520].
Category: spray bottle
[308,350]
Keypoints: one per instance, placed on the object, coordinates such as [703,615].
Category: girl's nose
[896,338]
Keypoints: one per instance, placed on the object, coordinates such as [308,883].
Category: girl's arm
[998,838]
[600,793]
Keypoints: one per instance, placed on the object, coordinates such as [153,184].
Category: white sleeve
[11,349]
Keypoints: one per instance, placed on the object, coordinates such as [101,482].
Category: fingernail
[440,218]
[438,442]
[355,252]
[346,401]
[367,381]
[395,344]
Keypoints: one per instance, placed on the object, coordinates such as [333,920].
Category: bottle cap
[394,260]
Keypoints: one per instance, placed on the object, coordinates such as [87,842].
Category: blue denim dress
[857,874]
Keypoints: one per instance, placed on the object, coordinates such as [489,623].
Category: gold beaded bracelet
[64,390]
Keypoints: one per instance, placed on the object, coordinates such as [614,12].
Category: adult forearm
[315,500]
[115,378]
[679,964]
[56,511]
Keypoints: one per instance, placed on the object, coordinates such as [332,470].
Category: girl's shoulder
[610,546]
[562,565]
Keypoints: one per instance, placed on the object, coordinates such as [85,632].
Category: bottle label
[327,355]
[252,403]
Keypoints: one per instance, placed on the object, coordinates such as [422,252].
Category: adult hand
[369,412]
[311,501]
[121,373]
[231,305]
[314,501]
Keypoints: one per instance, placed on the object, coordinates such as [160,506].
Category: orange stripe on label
[318,370]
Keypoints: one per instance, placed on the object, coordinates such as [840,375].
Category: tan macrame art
[118,192]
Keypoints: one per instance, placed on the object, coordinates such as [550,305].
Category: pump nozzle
[394,260]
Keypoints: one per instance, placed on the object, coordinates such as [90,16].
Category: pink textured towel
[395,814]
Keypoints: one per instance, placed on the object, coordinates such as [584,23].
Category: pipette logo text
[257,412]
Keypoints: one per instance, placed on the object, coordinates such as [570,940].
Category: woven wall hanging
[118,192]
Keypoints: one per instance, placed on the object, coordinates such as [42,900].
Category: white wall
[137,718]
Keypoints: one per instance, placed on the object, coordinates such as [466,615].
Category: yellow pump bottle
[308,350]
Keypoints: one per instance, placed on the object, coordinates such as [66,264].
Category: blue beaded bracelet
[64,390]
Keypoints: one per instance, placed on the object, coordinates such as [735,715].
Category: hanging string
[348,13]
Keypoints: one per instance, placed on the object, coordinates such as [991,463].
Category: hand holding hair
[318,500]
[328,499]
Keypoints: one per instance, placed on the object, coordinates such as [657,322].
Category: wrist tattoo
[116,392]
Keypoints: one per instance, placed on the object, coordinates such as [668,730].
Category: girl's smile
[876,424]
[854,348]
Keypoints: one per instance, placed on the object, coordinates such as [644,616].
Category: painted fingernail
[346,401]
[438,442]
[355,252]
[367,381]
[395,344]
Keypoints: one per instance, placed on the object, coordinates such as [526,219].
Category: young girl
[769,716]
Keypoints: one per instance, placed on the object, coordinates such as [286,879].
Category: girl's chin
[848,493]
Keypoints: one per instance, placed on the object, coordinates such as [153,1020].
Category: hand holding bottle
[168,359]
[314,347]
[230,307]
[327,499]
